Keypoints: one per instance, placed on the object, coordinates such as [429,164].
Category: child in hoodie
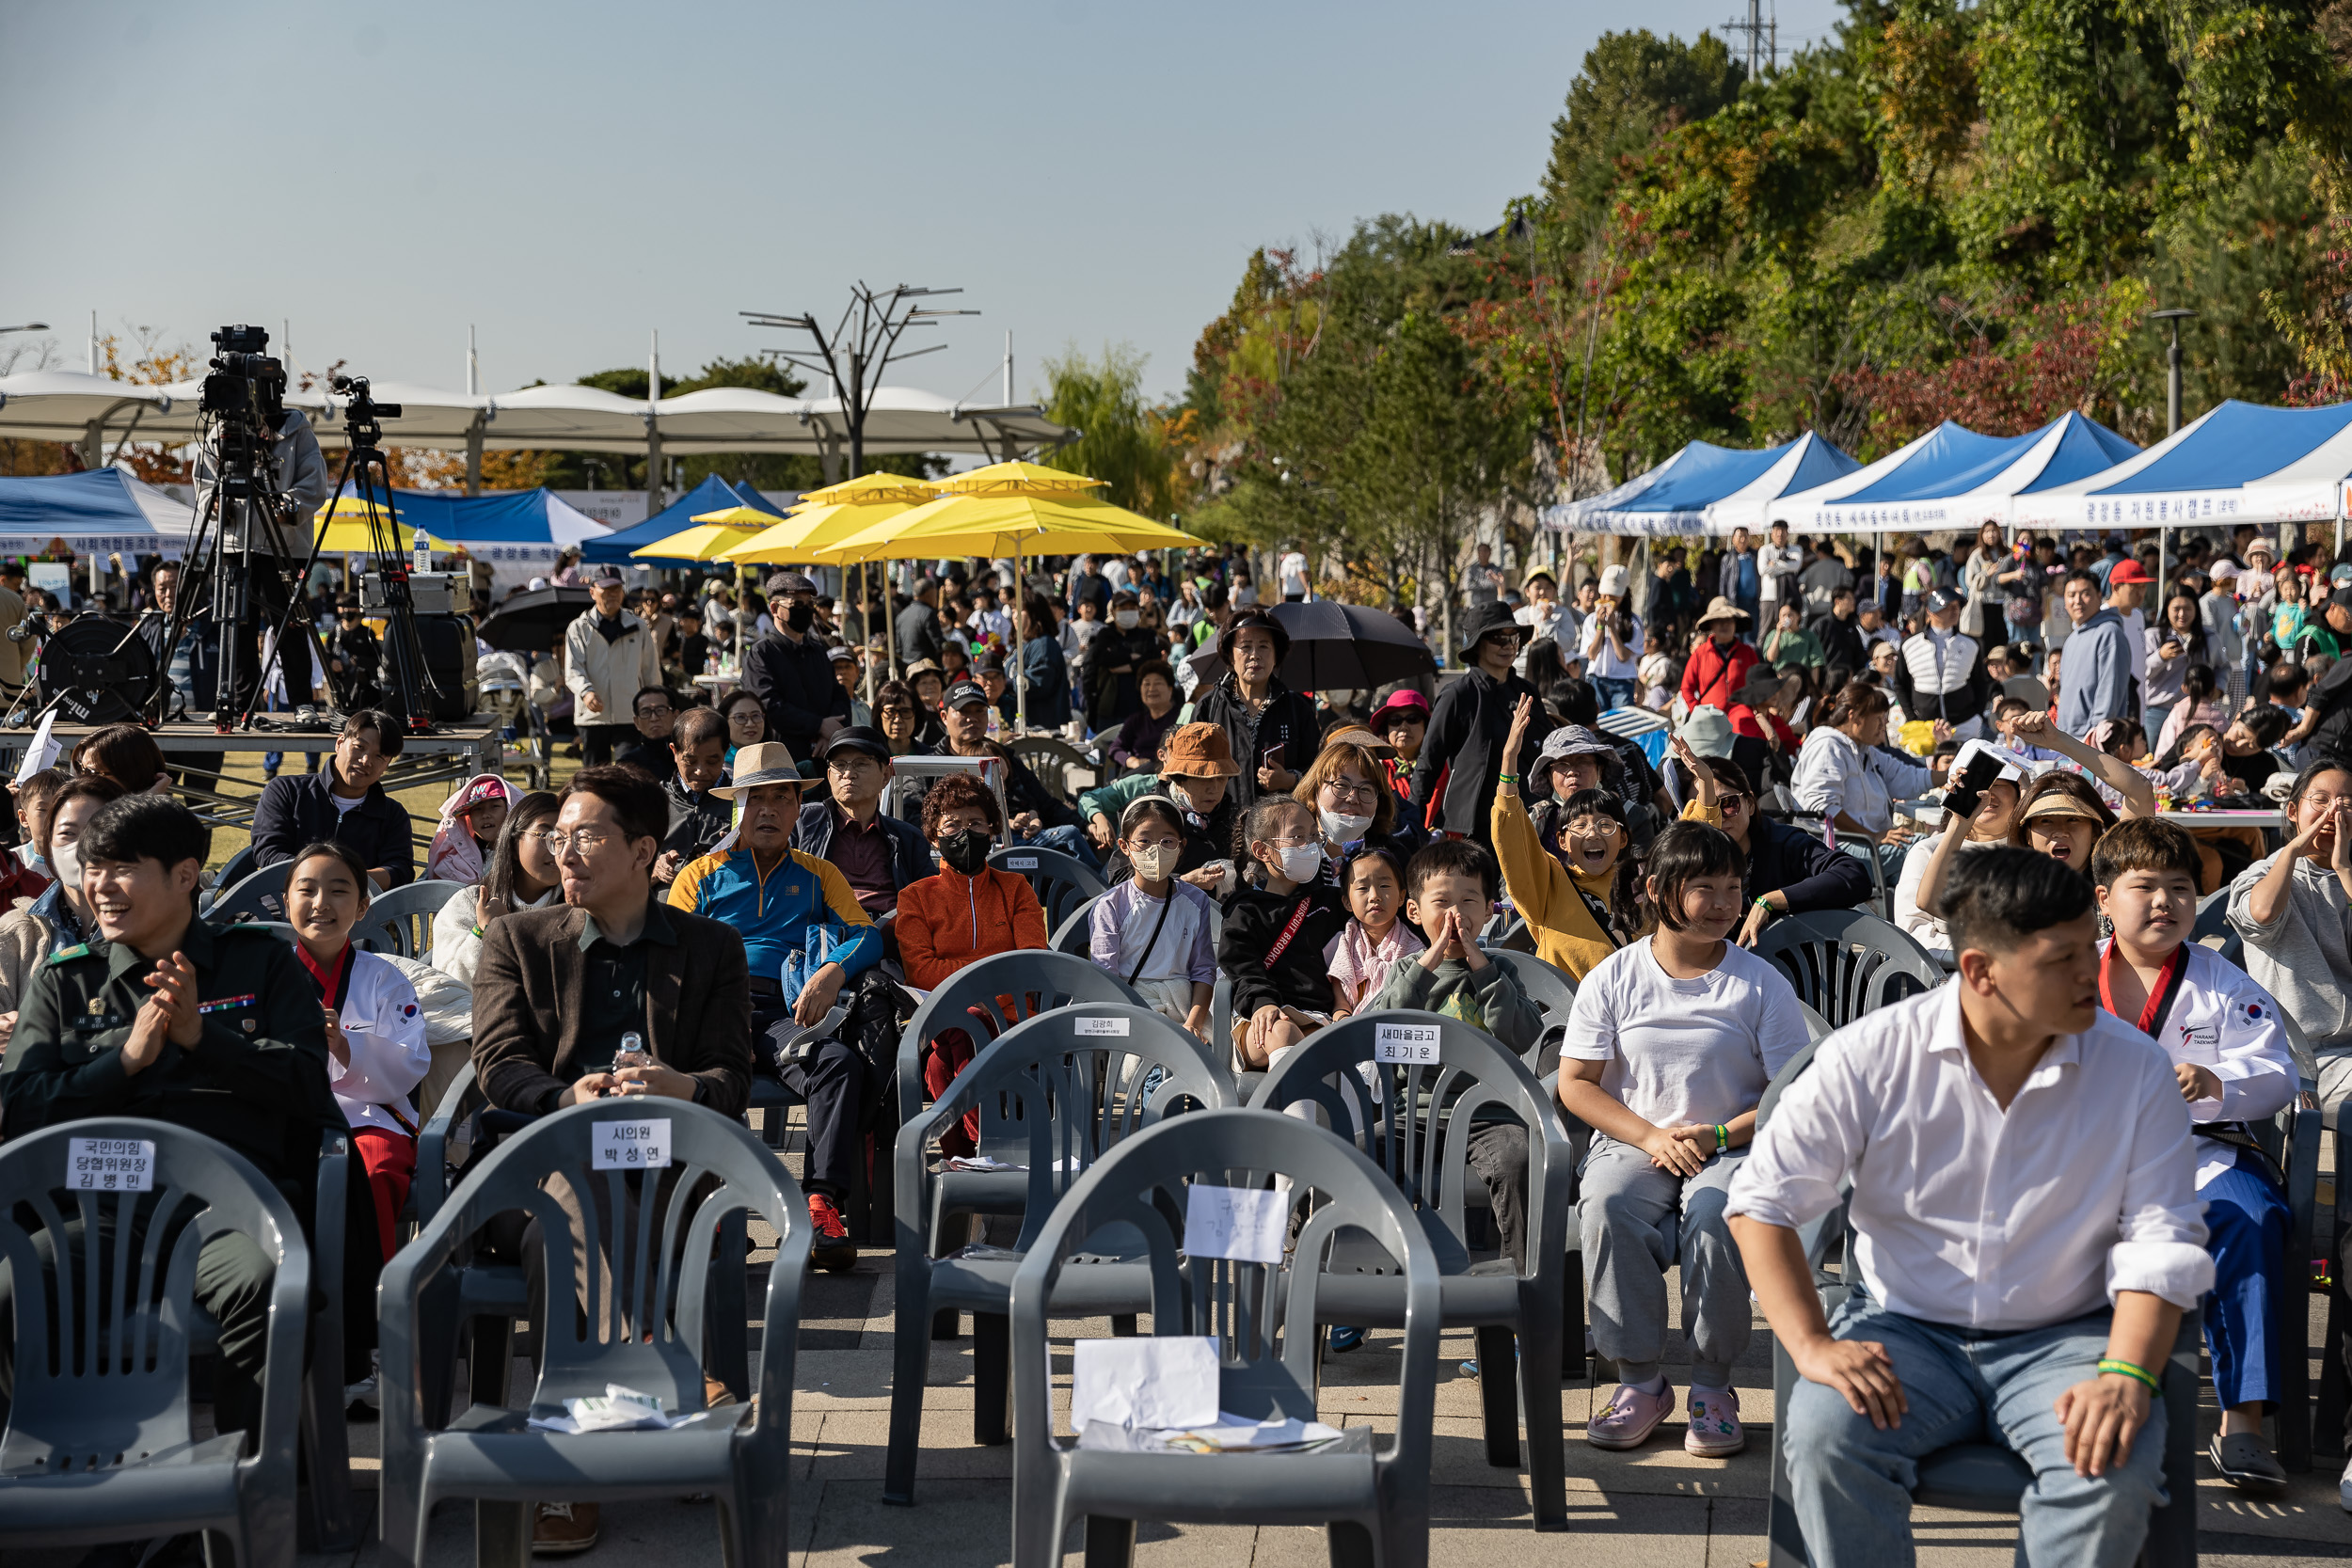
[1275,935]
[470,820]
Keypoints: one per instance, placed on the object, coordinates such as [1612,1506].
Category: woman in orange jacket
[968,911]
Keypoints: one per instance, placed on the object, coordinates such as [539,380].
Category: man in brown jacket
[561,991]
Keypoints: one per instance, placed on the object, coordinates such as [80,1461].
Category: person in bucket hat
[1718,665]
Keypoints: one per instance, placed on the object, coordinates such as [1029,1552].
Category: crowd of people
[1633,786]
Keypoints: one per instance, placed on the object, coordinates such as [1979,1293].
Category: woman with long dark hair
[522,875]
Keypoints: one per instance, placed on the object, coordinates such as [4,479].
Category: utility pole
[653,426]
[2171,419]
[1763,37]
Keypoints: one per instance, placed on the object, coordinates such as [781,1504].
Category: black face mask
[966,851]
[801,616]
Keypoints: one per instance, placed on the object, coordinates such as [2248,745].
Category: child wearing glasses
[1578,904]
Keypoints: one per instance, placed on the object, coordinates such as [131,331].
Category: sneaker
[833,1250]
[1628,1417]
[1346,1339]
[2245,1464]
[1715,1431]
[716,1395]
[361,1399]
[565,1529]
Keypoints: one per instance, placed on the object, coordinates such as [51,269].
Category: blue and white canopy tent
[1954,478]
[1704,489]
[101,512]
[2237,463]
[712,495]
[520,533]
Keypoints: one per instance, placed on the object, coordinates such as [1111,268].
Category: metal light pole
[2171,425]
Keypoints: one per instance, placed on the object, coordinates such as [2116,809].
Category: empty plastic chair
[1060,882]
[641,1293]
[1410,1088]
[260,896]
[399,921]
[102,1448]
[1552,993]
[1033,980]
[1371,1495]
[1845,962]
[1053,1095]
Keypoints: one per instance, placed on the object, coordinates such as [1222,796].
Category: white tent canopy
[2236,462]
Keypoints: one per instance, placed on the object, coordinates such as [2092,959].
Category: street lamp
[28,326]
[2172,367]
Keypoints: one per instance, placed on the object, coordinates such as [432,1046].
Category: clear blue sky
[568,176]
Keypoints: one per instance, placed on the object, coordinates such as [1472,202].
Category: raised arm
[2139,795]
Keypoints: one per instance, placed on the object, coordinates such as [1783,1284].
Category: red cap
[2128,571]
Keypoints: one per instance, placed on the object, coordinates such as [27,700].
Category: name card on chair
[1021,862]
[109,1166]
[631,1145]
[1104,1027]
[1159,1381]
[1411,1043]
[1244,1224]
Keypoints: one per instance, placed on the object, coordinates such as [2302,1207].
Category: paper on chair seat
[1155,1381]
[1228,1433]
[620,1410]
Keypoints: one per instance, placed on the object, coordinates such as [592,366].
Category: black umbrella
[533,622]
[1339,647]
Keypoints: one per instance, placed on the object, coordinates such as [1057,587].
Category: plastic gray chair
[2214,929]
[1033,980]
[1060,882]
[401,921]
[1374,1500]
[645,1311]
[1845,962]
[1983,1477]
[1553,994]
[1054,762]
[1054,1095]
[237,868]
[1415,1122]
[260,896]
[102,1448]
[1074,935]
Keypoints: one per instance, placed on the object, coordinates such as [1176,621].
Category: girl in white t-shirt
[1669,1048]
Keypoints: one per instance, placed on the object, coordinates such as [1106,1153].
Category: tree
[1632,87]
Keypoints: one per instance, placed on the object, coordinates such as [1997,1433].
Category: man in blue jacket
[2095,665]
[345,801]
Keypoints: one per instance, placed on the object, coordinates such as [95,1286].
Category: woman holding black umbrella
[1274,732]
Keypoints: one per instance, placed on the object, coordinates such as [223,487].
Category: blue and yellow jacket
[774,913]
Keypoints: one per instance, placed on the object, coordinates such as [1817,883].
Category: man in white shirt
[1777,563]
[1292,569]
[2026,1228]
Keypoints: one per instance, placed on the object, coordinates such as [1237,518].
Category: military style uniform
[256,1080]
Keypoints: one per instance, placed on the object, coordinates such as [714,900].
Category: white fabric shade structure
[1954,478]
[69,406]
[2237,463]
[1702,489]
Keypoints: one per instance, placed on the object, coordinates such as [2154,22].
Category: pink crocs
[1715,1430]
[1628,1417]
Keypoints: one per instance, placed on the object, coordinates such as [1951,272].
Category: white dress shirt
[1974,1217]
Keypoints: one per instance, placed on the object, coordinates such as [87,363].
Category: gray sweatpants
[1637,1219]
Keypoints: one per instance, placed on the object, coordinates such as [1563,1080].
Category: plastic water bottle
[420,553]
[632,1052]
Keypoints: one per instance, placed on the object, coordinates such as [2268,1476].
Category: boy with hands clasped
[2028,1233]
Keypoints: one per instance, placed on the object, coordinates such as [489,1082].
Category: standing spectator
[2095,680]
[1941,673]
[2128,588]
[1089,586]
[1611,641]
[2025,581]
[789,670]
[1844,644]
[1292,571]
[2172,648]
[1114,661]
[919,636]
[1738,578]
[609,656]
[1981,579]
[1463,757]
[1777,566]
[1720,662]
[1482,580]
[1043,664]
[1272,730]
[1789,644]
[2225,636]
[354,659]
[1822,578]
[1670,597]
[345,801]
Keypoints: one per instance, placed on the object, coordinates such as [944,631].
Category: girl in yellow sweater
[1578,905]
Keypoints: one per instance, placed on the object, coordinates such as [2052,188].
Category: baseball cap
[2340,598]
[842,655]
[2224,569]
[789,582]
[1941,599]
[607,577]
[962,692]
[858,738]
[2128,571]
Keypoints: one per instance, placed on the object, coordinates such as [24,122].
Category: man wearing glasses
[655,712]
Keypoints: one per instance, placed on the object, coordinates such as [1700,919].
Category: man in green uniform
[209,1028]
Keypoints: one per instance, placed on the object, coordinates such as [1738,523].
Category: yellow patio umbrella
[713,533]
[344,529]
[807,531]
[1016,479]
[994,521]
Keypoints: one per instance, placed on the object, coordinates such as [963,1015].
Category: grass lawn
[423,801]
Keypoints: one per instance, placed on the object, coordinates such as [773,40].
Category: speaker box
[448,659]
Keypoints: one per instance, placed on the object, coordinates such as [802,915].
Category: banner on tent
[2250,503]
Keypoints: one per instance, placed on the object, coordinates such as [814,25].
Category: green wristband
[1722,1137]
[2126,1368]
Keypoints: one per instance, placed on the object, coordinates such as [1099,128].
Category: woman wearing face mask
[1153,929]
[1197,771]
[1347,790]
[968,911]
[1115,661]
[60,916]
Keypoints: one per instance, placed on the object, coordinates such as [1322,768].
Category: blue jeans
[1070,841]
[2245,1216]
[1614,692]
[1852,1483]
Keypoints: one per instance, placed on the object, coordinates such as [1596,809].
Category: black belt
[762,985]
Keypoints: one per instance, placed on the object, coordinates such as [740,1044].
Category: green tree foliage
[1634,85]
[1123,440]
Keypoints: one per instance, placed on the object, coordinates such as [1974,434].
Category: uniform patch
[225,1003]
[79,950]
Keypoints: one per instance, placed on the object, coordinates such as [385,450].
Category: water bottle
[632,1052]
[420,553]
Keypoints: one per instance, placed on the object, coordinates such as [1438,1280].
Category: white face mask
[1155,862]
[67,860]
[1127,620]
[1342,828]
[1302,862]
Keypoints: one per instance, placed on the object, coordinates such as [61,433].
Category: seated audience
[24,875]
[124,1024]
[698,818]
[60,917]
[345,801]
[1153,929]
[1347,790]
[1989,824]
[904,721]
[1669,1049]
[125,753]
[878,855]
[1572,901]
[1847,776]
[1137,748]
[470,820]
[806,940]
[1450,890]
[1784,870]
[655,709]
[2229,1054]
[2045,1333]
[1378,936]
[2293,911]
[521,875]
[1197,771]
[746,721]
[1038,817]
[1275,931]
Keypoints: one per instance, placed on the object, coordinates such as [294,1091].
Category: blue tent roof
[712,495]
[99,511]
[1707,486]
[2237,463]
[501,518]
[1954,477]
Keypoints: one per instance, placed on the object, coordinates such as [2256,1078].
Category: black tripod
[363,458]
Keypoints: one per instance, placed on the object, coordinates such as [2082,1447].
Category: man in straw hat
[1718,665]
